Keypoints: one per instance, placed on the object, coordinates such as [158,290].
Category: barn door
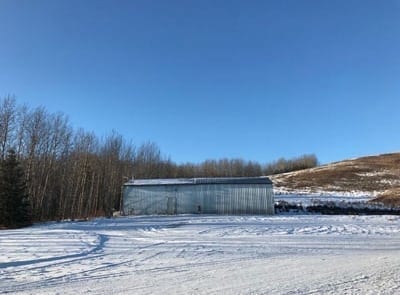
[171,205]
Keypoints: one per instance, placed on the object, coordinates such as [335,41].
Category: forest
[73,174]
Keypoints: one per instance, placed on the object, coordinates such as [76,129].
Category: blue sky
[210,79]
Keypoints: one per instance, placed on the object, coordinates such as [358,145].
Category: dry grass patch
[390,197]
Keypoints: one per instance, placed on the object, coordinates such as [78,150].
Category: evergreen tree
[14,202]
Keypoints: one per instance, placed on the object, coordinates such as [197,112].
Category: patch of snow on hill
[373,174]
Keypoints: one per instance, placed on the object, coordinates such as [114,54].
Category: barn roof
[208,180]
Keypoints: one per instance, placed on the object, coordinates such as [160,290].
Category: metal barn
[237,195]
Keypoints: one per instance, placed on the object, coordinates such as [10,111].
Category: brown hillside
[378,175]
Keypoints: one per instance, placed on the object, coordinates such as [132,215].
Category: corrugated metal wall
[201,198]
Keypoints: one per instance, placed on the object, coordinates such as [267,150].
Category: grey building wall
[200,197]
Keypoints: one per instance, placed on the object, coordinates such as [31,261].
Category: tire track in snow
[12,269]
[143,258]
[102,240]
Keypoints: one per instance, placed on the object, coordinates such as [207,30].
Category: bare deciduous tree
[74,174]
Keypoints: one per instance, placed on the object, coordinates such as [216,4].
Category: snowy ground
[298,254]
[307,198]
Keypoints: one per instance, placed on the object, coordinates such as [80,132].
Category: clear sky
[210,79]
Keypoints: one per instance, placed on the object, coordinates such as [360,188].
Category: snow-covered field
[307,198]
[292,254]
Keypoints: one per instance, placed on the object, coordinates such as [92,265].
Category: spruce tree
[14,202]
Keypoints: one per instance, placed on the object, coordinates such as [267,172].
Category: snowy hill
[363,178]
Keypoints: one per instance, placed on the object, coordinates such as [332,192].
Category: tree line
[72,173]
